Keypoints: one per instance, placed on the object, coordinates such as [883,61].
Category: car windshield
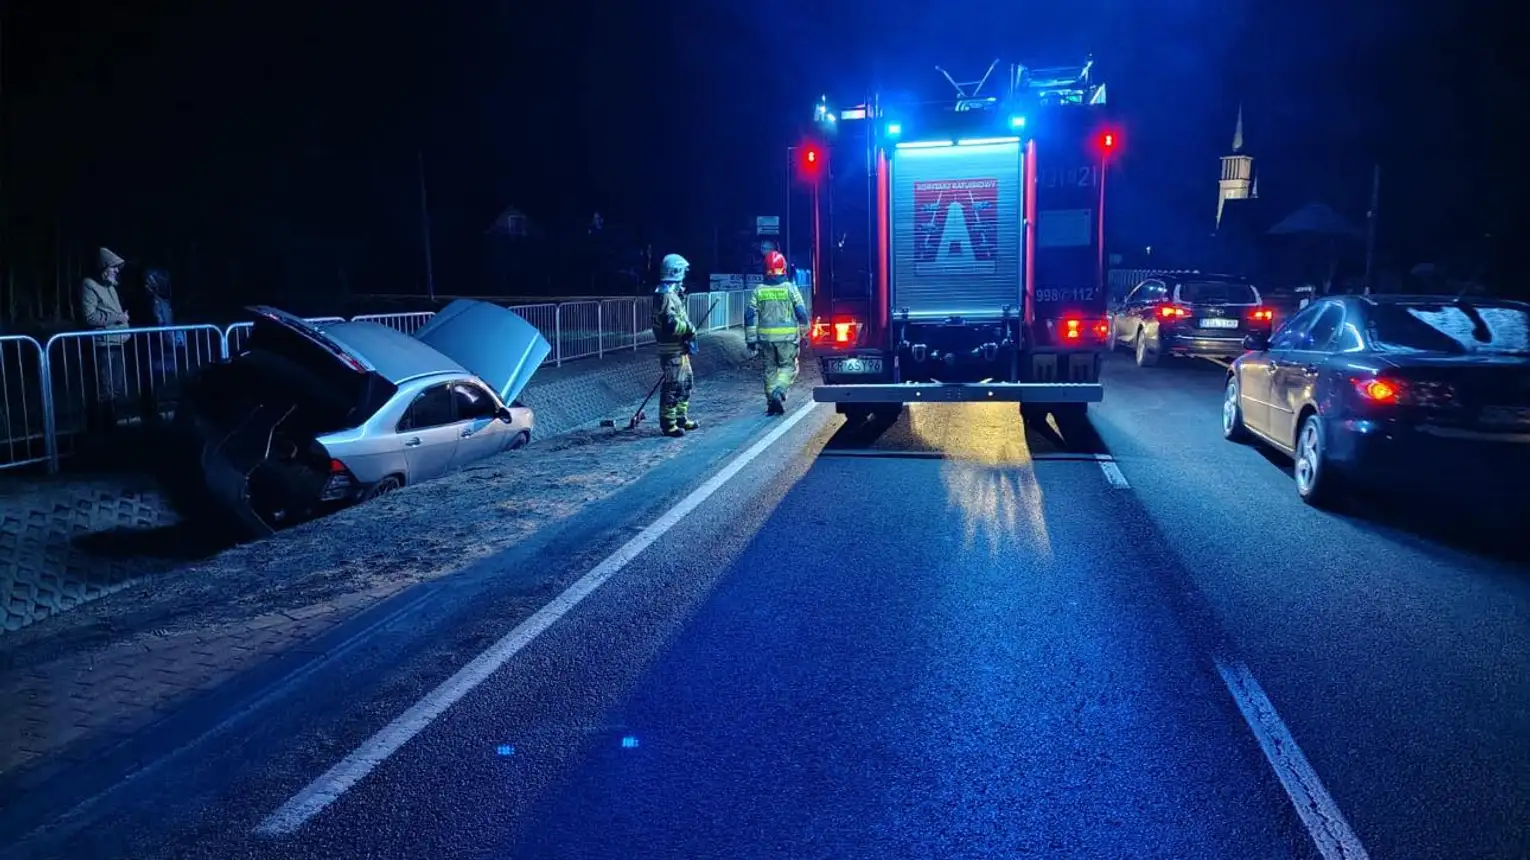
[1455,327]
[1229,292]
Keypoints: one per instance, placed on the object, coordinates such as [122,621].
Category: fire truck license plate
[855,365]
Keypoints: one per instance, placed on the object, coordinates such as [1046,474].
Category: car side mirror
[1256,341]
[505,415]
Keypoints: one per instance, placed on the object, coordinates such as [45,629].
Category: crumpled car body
[312,417]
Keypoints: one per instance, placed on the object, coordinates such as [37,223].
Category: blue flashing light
[629,743]
[853,113]
[894,129]
[925,144]
[1017,122]
[987,141]
[505,749]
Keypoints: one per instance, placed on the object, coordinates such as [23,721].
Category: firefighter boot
[773,405]
[670,429]
[685,421]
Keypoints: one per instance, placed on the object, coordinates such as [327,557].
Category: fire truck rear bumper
[965,392]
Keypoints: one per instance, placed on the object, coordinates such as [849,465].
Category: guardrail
[60,394]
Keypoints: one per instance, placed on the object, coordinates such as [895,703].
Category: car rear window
[1229,292]
[1456,327]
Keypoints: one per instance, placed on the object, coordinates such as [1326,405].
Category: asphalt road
[951,637]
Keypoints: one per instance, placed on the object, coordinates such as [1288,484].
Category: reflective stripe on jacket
[671,324]
[774,312]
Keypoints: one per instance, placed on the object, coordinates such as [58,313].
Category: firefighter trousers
[675,390]
[780,366]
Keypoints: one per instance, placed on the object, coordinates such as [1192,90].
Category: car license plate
[1218,322]
[1505,416]
[856,365]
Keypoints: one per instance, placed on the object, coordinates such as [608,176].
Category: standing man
[676,338]
[101,309]
[770,323]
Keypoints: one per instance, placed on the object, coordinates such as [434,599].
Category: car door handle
[413,443]
[466,432]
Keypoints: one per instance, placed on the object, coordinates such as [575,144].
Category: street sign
[767,225]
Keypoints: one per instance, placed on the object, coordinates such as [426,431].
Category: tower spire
[1238,131]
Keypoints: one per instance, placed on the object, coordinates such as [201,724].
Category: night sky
[286,130]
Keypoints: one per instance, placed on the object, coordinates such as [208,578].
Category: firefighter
[770,325]
[676,338]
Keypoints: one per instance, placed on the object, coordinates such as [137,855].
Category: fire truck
[958,244]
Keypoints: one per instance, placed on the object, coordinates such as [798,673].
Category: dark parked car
[1203,315]
[1426,392]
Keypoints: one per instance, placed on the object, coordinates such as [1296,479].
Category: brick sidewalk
[177,633]
[116,691]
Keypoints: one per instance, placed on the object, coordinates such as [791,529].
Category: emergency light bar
[925,144]
[853,113]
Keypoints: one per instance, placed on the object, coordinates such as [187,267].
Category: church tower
[1238,180]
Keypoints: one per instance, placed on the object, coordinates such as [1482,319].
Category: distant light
[505,750]
[1108,140]
[853,113]
[988,141]
[1017,122]
[925,144]
[894,129]
[629,743]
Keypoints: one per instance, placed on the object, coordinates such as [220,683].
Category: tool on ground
[639,416]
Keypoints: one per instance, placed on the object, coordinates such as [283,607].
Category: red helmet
[775,264]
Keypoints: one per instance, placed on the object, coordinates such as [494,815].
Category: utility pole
[1370,230]
[430,269]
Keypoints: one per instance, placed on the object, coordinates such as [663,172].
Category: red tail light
[1172,312]
[339,485]
[336,467]
[1078,330]
[843,331]
[1383,391]
[1262,315]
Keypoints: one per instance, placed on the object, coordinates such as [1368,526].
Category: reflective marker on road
[339,779]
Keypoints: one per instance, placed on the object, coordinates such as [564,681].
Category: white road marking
[353,768]
[1113,473]
[1219,362]
[1332,834]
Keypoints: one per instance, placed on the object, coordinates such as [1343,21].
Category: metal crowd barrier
[59,393]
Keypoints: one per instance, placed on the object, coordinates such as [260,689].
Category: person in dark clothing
[162,358]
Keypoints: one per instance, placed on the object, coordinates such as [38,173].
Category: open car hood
[493,343]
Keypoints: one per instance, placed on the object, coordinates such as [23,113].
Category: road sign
[767,225]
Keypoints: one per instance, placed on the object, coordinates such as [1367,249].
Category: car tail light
[1379,390]
[340,483]
[1172,312]
[1262,315]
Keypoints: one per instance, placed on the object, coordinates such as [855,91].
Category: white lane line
[1332,834]
[1219,362]
[1113,474]
[338,779]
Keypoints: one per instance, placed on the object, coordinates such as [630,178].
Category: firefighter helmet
[775,264]
[673,268]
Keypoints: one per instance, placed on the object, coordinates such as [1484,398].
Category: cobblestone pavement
[114,666]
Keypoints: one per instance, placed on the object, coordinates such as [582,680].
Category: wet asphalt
[955,636]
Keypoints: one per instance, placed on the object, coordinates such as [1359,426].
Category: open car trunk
[251,423]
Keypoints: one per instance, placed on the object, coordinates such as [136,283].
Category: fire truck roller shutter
[957,229]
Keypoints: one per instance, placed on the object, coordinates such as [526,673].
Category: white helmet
[673,268]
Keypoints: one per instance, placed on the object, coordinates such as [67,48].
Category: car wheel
[1315,481]
[1145,357]
[1233,428]
[384,487]
[521,440]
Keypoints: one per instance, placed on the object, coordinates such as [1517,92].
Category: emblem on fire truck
[956,227]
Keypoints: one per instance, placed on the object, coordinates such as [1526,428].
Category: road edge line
[1330,832]
[333,783]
